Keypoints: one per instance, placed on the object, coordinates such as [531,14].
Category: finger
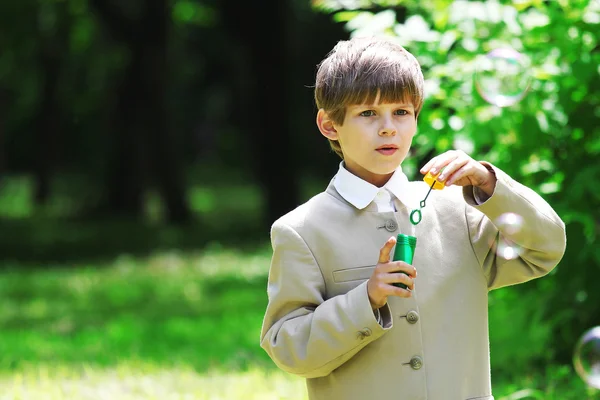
[442,162]
[432,165]
[399,278]
[389,290]
[399,292]
[425,169]
[452,167]
[384,253]
[400,266]
[474,173]
[436,164]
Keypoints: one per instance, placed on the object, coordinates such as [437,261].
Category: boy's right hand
[379,286]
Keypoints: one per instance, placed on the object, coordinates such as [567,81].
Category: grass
[168,326]
[131,381]
[166,307]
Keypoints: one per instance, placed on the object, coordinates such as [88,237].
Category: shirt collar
[361,193]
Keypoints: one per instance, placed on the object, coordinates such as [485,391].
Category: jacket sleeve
[303,332]
[516,235]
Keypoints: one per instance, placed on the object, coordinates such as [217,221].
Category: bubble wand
[433,183]
[406,244]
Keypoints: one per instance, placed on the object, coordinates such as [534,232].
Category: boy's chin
[383,172]
[387,169]
[386,172]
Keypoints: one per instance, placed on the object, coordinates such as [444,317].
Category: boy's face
[374,138]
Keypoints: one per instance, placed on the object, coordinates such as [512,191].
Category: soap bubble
[508,249]
[586,358]
[508,224]
[503,77]
[464,143]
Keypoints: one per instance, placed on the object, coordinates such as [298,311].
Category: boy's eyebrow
[377,105]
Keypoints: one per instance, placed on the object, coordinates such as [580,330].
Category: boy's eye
[401,112]
[367,113]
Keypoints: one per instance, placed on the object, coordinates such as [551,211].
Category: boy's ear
[326,125]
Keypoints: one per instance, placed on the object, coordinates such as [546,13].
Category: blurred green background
[146,147]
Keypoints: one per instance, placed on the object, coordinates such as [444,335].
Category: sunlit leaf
[192,12]
[345,16]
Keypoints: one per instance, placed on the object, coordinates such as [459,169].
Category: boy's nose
[387,127]
[387,131]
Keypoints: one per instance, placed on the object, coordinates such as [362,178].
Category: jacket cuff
[359,301]
[475,196]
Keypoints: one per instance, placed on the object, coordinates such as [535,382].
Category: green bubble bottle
[405,251]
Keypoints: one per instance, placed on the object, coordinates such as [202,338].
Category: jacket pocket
[353,274]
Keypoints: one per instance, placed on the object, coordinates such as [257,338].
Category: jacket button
[363,333]
[412,317]
[416,362]
[391,225]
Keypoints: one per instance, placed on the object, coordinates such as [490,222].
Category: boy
[334,316]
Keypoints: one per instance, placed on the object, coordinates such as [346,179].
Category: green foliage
[550,140]
[518,339]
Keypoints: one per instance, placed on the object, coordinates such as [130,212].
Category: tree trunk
[267,101]
[273,147]
[3,108]
[144,147]
[125,180]
[48,119]
[47,126]
[166,159]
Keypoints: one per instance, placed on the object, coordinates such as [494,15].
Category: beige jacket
[434,345]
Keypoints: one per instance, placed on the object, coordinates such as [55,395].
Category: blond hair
[358,70]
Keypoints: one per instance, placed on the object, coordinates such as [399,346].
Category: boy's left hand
[461,170]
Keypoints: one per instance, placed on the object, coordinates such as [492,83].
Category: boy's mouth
[387,149]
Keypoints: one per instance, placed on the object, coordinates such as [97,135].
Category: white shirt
[361,193]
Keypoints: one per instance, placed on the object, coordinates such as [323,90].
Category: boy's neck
[375,180]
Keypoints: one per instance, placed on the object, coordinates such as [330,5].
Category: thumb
[384,253]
